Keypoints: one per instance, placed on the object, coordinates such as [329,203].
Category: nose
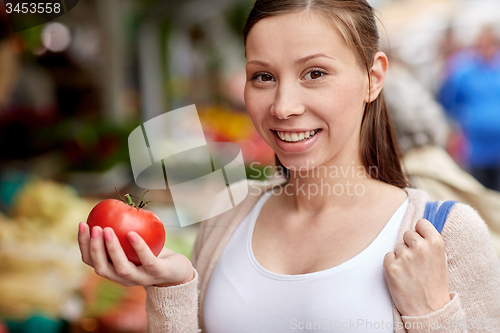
[287,102]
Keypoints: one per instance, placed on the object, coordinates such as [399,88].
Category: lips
[296,136]
[295,141]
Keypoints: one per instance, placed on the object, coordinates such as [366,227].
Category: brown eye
[262,77]
[266,77]
[314,75]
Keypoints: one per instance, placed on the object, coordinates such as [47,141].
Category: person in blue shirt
[471,95]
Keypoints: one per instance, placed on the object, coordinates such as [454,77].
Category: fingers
[83,242]
[400,249]
[430,234]
[146,256]
[392,257]
[113,246]
[418,243]
[98,251]
[168,269]
[412,239]
[123,267]
[388,259]
[98,256]
[426,229]
[424,233]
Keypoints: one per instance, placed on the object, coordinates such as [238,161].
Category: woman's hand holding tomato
[417,273]
[168,269]
[111,243]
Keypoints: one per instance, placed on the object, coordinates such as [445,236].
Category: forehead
[296,35]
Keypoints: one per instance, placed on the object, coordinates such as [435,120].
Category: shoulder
[465,234]
[465,230]
[473,264]
[416,206]
[461,218]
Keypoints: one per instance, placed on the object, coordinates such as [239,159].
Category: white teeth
[295,136]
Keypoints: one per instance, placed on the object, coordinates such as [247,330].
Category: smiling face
[305,90]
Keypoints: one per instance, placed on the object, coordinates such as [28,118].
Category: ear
[377,76]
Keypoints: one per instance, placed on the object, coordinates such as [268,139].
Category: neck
[314,189]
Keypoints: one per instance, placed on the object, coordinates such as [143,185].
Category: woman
[342,244]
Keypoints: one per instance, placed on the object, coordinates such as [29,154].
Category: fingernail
[81,227]
[107,235]
[132,236]
[95,232]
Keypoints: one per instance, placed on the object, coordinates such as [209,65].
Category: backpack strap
[438,216]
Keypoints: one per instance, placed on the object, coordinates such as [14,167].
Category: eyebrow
[296,62]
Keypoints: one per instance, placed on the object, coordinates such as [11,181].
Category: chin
[299,164]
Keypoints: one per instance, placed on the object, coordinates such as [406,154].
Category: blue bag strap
[438,217]
[430,211]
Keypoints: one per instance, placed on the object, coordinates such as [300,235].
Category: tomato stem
[141,203]
[145,204]
[129,200]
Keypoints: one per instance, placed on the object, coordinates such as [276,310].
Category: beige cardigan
[474,271]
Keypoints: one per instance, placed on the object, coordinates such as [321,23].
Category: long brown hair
[355,20]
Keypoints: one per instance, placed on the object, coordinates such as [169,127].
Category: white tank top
[244,297]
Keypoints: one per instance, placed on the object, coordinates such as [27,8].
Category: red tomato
[123,218]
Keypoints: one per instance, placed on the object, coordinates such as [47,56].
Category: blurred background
[73,89]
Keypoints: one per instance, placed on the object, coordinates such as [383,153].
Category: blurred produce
[114,307]
[226,125]
[44,208]
[89,144]
[40,263]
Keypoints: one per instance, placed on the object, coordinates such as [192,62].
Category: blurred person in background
[471,95]
[422,133]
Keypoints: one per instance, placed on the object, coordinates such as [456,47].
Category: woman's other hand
[168,269]
[417,272]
